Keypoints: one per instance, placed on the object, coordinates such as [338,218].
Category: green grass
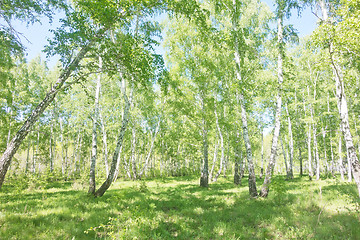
[177,208]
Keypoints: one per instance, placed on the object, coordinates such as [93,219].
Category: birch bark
[291,145]
[221,146]
[14,144]
[204,179]
[266,185]
[126,115]
[92,183]
[342,104]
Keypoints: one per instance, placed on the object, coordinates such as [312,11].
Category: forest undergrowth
[177,208]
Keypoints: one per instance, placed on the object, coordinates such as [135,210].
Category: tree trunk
[214,161]
[325,154]
[104,138]
[118,165]
[27,156]
[301,162]
[76,152]
[291,145]
[151,149]
[238,160]
[317,159]
[332,160]
[349,166]
[238,68]
[92,183]
[252,177]
[226,159]
[262,153]
[133,153]
[341,165]
[309,154]
[265,188]
[51,153]
[285,158]
[204,179]
[62,147]
[342,105]
[269,170]
[110,178]
[14,144]
[222,148]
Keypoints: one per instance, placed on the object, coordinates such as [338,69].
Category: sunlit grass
[178,208]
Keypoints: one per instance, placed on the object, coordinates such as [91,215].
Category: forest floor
[178,208]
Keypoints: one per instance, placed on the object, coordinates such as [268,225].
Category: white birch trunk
[291,144]
[92,183]
[204,179]
[317,159]
[151,149]
[341,165]
[342,105]
[126,115]
[349,166]
[14,144]
[221,146]
[332,166]
[262,153]
[251,169]
[27,156]
[133,153]
[104,138]
[214,160]
[266,185]
[285,158]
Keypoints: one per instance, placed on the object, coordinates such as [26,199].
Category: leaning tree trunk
[342,104]
[110,178]
[14,144]
[92,183]
[265,187]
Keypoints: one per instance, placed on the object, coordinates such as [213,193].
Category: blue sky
[38,34]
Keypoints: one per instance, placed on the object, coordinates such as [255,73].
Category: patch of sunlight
[50,211]
[229,201]
[220,229]
[53,190]
[199,210]
[232,190]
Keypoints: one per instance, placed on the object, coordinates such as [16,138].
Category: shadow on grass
[182,211]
